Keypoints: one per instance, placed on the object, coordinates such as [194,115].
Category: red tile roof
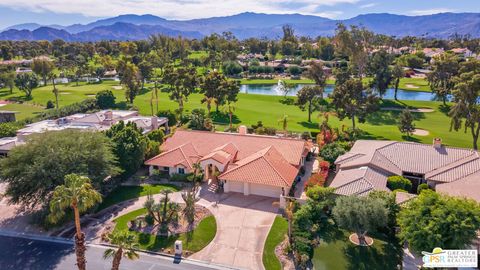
[250,158]
[267,166]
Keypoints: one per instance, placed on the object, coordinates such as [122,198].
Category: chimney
[242,130]
[154,123]
[437,143]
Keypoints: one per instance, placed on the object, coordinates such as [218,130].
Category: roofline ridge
[239,166]
[469,159]
[393,163]
[273,167]
[244,135]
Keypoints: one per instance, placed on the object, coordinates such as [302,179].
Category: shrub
[399,182]
[149,220]
[156,135]
[78,107]
[9,129]
[50,104]
[316,179]
[232,68]
[172,118]
[331,152]
[422,187]
[105,99]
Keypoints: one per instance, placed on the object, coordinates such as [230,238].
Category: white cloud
[369,5]
[430,11]
[176,9]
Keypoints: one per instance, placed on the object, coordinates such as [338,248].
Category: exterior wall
[253,189]
[171,170]
[205,163]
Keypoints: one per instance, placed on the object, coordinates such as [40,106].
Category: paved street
[26,254]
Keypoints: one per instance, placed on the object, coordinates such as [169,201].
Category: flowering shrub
[318,179]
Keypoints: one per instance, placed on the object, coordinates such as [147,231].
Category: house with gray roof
[450,170]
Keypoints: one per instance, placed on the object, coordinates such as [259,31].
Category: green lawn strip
[124,193]
[200,238]
[252,108]
[275,236]
[341,254]
[24,110]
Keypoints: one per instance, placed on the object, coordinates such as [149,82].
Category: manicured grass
[275,236]
[414,84]
[196,241]
[24,110]
[252,108]
[124,193]
[339,253]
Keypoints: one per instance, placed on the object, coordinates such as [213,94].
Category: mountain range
[246,25]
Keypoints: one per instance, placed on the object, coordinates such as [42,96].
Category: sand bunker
[422,110]
[117,87]
[421,132]
[411,86]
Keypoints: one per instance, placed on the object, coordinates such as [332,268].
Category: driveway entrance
[243,223]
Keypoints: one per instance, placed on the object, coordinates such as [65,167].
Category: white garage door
[264,190]
[235,186]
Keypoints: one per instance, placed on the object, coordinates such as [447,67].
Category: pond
[273,89]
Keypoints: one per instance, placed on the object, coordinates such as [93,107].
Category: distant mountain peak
[251,24]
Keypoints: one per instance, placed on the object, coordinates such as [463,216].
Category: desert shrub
[172,118]
[422,187]
[399,182]
[50,104]
[105,99]
[332,151]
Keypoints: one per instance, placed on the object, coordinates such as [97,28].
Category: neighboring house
[6,144]
[98,121]
[7,116]
[462,52]
[245,163]
[450,170]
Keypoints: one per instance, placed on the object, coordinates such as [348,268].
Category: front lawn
[124,193]
[339,253]
[201,236]
[275,237]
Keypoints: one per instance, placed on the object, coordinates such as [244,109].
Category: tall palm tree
[78,194]
[229,109]
[209,101]
[284,122]
[53,76]
[126,243]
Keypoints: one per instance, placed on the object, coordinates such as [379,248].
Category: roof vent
[437,143]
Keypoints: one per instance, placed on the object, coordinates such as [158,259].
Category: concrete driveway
[243,223]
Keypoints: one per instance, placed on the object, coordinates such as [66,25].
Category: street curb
[56,239]
[159,254]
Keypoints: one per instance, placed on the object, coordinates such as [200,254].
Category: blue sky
[66,12]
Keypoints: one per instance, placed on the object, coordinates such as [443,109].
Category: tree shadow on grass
[386,103]
[389,117]
[311,125]
[383,254]
[329,231]
[220,117]
[287,101]
[410,139]
[445,109]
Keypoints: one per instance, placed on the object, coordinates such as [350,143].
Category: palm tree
[53,76]
[229,109]
[284,122]
[190,198]
[209,101]
[397,74]
[289,211]
[78,194]
[126,243]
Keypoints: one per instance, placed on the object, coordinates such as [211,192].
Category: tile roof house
[454,171]
[245,163]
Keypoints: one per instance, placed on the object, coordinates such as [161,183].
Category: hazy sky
[66,12]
